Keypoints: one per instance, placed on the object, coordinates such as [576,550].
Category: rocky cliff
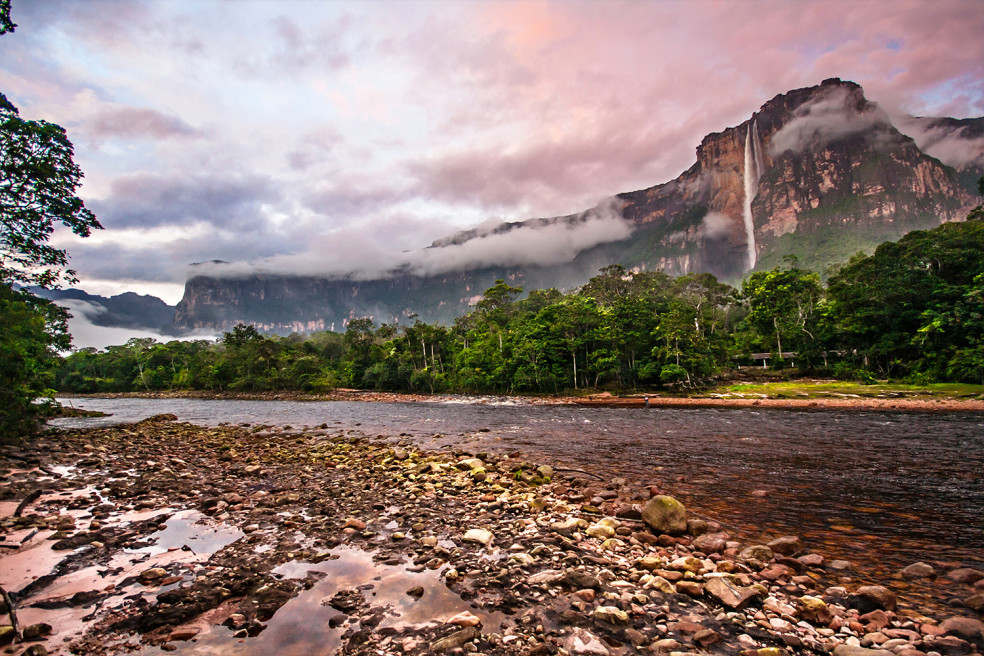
[819,173]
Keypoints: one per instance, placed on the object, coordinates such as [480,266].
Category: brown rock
[788,545]
[665,514]
[872,597]
[919,571]
[711,542]
[691,588]
[847,650]
[706,637]
[963,627]
[876,620]
[729,594]
[966,575]
[455,640]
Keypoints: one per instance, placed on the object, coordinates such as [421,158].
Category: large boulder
[665,514]
[872,597]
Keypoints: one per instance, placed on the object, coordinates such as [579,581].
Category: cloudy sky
[332,133]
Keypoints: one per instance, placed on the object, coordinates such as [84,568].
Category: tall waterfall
[753,171]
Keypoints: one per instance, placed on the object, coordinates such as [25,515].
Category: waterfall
[753,170]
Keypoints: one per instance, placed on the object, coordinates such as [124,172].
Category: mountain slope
[819,173]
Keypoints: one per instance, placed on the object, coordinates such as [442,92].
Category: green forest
[913,310]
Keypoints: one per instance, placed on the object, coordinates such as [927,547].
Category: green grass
[835,389]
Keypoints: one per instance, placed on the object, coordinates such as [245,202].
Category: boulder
[711,542]
[788,545]
[964,627]
[919,571]
[758,552]
[665,514]
[965,575]
[728,594]
[872,597]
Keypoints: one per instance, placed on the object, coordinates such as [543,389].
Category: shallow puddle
[192,530]
[303,626]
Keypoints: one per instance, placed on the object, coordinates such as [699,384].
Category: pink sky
[348,132]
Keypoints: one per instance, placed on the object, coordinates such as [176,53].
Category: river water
[881,489]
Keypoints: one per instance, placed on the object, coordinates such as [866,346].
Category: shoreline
[595,400]
[491,551]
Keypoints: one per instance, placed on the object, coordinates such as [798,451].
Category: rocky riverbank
[166,537]
[833,402]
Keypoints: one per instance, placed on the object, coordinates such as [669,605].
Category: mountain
[128,310]
[820,173]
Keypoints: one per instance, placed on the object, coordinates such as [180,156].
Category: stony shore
[603,400]
[162,537]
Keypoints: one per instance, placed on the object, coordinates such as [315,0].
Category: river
[881,489]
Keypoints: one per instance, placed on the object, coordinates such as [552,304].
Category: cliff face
[819,173]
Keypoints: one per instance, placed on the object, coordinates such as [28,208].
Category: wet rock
[788,545]
[479,536]
[356,523]
[814,610]
[758,552]
[7,635]
[345,601]
[848,650]
[547,577]
[975,602]
[464,618]
[416,592]
[153,574]
[965,575]
[919,571]
[36,631]
[812,560]
[710,543]
[611,614]
[728,594]
[665,645]
[872,597]
[706,637]
[584,643]
[455,640]
[964,627]
[182,635]
[696,527]
[35,650]
[665,514]
[951,645]
[839,565]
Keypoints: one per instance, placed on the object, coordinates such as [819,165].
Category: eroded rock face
[866,178]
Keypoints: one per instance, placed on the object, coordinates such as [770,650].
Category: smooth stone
[729,594]
[787,545]
[455,640]
[964,627]
[479,536]
[710,543]
[919,571]
[611,614]
[464,618]
[757,552]
[664,514]
[965,575]
[871,597]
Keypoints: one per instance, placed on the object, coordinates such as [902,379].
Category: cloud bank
[322,133]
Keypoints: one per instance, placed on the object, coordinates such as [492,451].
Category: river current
[881,489]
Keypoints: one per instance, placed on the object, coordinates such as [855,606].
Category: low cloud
[354,256]
[832,115]
[952,142]
[86,334]
[716,225]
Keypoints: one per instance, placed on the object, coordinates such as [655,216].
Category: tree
[31,329]
[38,181]
[783,305]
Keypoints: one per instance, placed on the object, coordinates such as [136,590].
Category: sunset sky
[341,132]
